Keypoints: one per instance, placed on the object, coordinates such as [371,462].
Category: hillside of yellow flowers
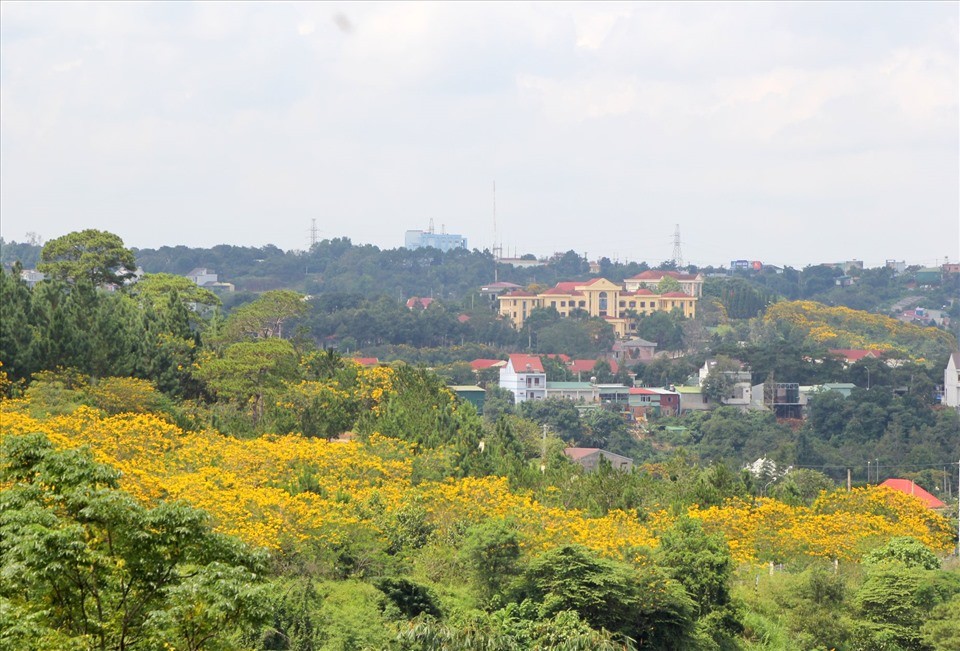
[279,492]
[842,327]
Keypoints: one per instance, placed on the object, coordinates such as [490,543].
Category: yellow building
[597,297]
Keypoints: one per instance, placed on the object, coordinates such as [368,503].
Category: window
[633,303]
[643,303]
[553,303]
[536,381]
[603,301]
[623,303]
[582,304]
[563,303]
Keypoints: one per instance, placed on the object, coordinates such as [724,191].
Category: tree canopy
[98,257]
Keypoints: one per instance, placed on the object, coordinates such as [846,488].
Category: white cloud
[382,115]
[67,66]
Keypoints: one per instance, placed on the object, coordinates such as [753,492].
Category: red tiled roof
[563,358]
[366,361]
[554,291]
[654,274]
[642,391]
[419,302]
[578,453]
[587,365]
[521,362]
[463,318]
[567,286]
[854,354]
[480,364]
[676,295]
[910,488]
[519,293]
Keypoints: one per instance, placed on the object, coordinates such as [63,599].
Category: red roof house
[587,365]
[853,355]
[417,302]
[526,363]
[910,488]
[481,364]
[366,361]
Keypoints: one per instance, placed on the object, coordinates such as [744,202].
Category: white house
[951,381]
[524,377]
[202,276]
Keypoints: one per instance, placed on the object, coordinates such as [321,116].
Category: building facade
[691,284]
[442,241]
[524,377]
[951,381]
[599,297]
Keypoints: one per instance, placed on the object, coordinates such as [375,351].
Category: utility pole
[849,482]
[543,450]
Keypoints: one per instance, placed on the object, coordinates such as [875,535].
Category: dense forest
[181,473]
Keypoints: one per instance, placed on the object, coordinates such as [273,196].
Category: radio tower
[313,233]
[497,247]
[677,255]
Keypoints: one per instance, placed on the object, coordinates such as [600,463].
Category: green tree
[698,560]
[641,604]
[249,370]
[98,257]
[559,414]
[265,317]
[492,551]
[941,630]
[662,328]
[86,566]
[894,601]
[908,551]
[720,379]
[669,284]
[168,291]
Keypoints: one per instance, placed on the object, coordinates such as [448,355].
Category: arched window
[603,303]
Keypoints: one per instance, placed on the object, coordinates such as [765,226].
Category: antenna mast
[497,249]
[677,254]
[313,233]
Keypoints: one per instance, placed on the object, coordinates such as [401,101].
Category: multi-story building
[691,284]
[619,305]
[524,377]
[442,241]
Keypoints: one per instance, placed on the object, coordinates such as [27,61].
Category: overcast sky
[787,133]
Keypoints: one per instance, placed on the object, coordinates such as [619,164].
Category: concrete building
[590,459]
[524,377]
[691,284]
[597,297]
[951,381]
[576,391]
[442,241]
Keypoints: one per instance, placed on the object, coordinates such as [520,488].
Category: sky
[791,133]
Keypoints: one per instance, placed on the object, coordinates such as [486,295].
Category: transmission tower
[677,254]
[313,233]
